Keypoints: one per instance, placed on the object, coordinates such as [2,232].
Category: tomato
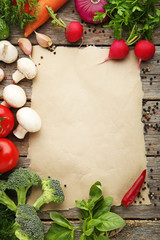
[6,121]
[9,155]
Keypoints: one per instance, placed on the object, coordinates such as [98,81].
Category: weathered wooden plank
[134,230]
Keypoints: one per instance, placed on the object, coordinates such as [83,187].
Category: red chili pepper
[130,196]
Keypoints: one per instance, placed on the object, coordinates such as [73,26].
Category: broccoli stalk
[4,199]
[52,192]
[20,181]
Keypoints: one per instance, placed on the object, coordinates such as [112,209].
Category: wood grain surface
[144,225]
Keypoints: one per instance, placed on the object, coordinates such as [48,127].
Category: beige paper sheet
[91,122]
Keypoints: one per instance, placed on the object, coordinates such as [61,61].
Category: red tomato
[6,121]
[9,155]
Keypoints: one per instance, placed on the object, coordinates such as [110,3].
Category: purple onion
[87,8]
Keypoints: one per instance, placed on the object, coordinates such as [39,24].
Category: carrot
[43,15]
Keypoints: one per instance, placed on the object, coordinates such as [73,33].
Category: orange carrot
[43,15]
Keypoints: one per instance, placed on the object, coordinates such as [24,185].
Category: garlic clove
[25,45]
[1,75]
[43,40]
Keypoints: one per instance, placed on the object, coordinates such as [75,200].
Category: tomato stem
[1,119]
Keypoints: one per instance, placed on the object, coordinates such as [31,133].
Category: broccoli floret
[20,181]
[28,225]
[4,199]
[52,192]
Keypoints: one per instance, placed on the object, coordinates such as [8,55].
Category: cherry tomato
[6,121]
[9,155]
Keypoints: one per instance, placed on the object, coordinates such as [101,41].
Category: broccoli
[20,181]
[28,225]
[52,192]
[4,199]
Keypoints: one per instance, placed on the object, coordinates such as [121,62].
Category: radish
[74,32]
[118,50]
[144,50]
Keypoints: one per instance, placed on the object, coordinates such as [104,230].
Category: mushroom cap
[14,95]
[9,53]
[27,67]
[29,119]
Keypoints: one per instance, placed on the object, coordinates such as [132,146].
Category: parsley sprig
[137,17]
[16,14]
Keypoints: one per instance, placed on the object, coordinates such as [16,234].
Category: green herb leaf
[141,15]
[82,204]
[57,232]
[16,14]
[103,207]
[95,194]
[61,220]
[109,222]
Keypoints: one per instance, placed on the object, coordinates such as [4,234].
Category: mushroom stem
[4,103]
[19,132]
[17,76]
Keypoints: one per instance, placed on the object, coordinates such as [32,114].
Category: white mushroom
[8,52]
[29,121]
[14,96]
[1,74]
[26,68]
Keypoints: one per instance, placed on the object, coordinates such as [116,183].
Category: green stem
[39,202]
[58,22]
[21,196]
[5,200]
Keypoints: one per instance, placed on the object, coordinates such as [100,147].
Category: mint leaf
[57,232]
[61,220]
[109,222]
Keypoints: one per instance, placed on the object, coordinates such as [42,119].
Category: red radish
[74,32]
[118,50]
[144,50]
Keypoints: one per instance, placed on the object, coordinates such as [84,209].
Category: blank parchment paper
[91,122]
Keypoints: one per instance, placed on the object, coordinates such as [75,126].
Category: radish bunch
[144,50]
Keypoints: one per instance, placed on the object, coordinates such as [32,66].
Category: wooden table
[143,222]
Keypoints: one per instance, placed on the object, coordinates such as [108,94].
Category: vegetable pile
[97,220]
[27,225]
[139,18]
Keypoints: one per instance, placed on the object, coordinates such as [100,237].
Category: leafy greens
[15,12]
[137,17]
[97,219]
